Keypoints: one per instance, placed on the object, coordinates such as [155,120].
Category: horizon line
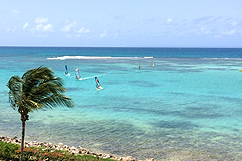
[117,47]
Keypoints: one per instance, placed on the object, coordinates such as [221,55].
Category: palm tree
[38,88]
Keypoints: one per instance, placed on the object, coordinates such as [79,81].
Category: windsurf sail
[98,85]
[140,65]
[78,76]
[66,72]
[153,63]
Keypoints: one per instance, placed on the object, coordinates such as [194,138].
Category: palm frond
[36,89]
[57,100]
[15,93]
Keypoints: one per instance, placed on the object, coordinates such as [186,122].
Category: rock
[8,139]
[35,143]
[114,158]
[150,159]
[84,151]
[94,154]
[15,137]
[30,143]
[77,151]
[128,158]
[45,144]
[50,145]
[60,145]
[65,147]
[73,148]
[106,156]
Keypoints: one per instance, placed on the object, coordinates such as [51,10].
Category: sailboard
[153,63]
[66,72]
[78,76]
[140,64]
[98,85]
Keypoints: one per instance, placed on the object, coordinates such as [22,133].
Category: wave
[85,78]
[95,57]
[222,58]
[91,77]
[133,58]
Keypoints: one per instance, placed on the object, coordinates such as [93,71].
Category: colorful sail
[153,63]
[78,76]
[66,72]
[98,85]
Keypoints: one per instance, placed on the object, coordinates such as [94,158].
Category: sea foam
[95,57]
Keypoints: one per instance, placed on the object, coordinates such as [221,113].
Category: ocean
[187,106]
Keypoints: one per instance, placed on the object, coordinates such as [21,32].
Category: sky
[121,23]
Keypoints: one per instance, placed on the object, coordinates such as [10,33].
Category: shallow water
[187,107]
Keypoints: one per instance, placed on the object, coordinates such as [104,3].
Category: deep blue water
[126,52]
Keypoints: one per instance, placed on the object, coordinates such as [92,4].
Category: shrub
[7,151]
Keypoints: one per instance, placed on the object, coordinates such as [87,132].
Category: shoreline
[60,146]
[170,154]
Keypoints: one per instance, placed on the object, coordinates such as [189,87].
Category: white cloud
[68,27]
[15,11]
[231,32]
[41,20]
[204,31]
[25,26]
[169,20]
[41,25]
[102,34]
[11,29]
[48,27]
[45,28]
[83,30]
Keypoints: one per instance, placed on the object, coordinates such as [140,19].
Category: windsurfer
[66,72]
[98,85]
[78,76]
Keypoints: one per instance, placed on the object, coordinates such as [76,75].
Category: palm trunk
[22,142]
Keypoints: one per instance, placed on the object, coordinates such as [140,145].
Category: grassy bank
[9,151]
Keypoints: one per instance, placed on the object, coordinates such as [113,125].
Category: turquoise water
[189,101]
